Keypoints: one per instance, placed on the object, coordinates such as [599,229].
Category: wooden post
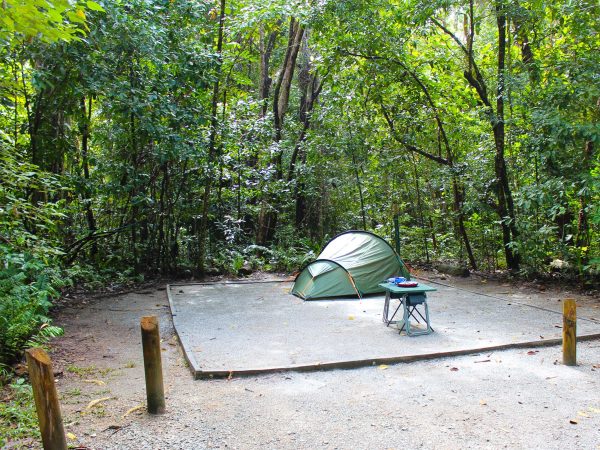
[155,394]
[46,399]
[569,332]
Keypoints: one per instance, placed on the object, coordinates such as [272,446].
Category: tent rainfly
[353,263]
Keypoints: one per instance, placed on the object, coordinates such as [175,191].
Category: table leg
[406,315]
[386,308]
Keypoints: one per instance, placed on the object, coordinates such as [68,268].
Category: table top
[407,290]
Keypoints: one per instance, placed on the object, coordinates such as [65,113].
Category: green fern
[44,335]
[28,284]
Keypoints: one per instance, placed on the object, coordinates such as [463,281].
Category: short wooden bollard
[46,399]
[569,332]
[155,394]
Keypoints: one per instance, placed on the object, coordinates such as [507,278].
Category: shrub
[27,286]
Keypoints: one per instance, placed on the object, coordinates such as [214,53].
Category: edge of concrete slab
[199,373]
[187,352]
[206,283]
[354,364]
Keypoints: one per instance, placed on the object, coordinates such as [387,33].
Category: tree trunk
[583,232]
[449,161]
[503,192]
[458,202]
[521,34]
[203,231]
[267,218]
[284,81]
[87,200]
[504,207]
[420,207]
[360,193]
[310,88]
[266,45]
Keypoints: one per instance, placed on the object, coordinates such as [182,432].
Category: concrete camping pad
[234,328]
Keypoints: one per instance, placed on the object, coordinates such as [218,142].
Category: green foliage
[30,273]
[18,417]
[279,259]
[286,259]
[27,286]
[117,148]
[48,20]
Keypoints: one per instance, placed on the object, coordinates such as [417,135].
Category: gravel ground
[511,399]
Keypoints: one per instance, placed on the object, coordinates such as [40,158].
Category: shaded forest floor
[510,399]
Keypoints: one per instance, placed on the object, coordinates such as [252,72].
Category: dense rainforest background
[184,137]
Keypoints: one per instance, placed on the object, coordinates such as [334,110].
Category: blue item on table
[396,280]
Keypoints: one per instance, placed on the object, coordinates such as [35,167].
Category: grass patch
[87,372]
[105,372]
[98,412]
[81,371]
[18,418]
[75,392]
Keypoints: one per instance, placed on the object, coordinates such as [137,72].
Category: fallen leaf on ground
[483,360]
[532,352]
[596,366]
[130,410]
[582,414]
[96,401]
[482,402]
[573,421]
[454,369]
[98,382]
[350,317]
[71,436]
[383,367]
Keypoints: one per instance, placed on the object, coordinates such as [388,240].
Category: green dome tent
[352,263]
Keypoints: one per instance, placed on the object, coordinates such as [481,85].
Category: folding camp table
[410,298]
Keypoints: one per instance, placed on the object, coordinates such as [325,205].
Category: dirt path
[511,399]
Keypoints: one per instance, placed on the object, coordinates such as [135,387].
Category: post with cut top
[46,399]
[155,394]
[569,332]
